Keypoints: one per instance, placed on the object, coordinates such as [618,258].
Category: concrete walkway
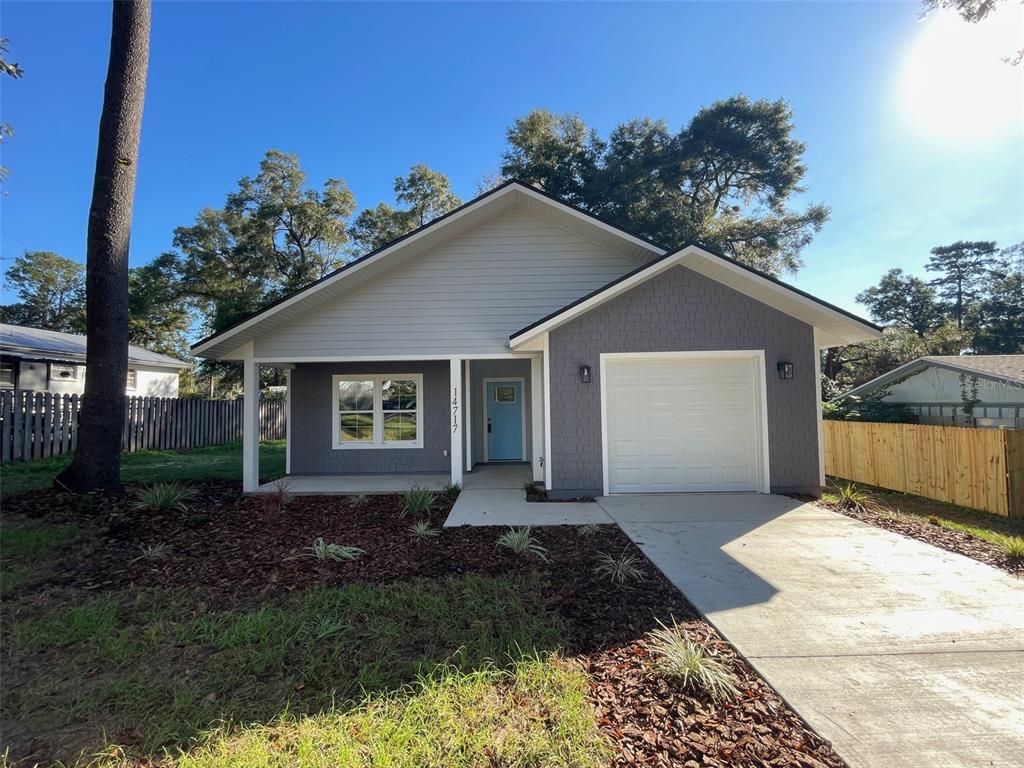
[899,653]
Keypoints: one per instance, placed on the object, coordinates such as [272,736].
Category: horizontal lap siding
[312,421]
[465,296]
[680,311]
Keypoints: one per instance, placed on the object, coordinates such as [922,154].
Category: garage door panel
[682,424]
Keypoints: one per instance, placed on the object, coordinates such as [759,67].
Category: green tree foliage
[1000,315]
[158,318]
[51,290]
[13,71]
[903,300]
[273,236]
[425,194]
[963,268]
[724,180]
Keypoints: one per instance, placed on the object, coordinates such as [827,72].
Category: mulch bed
[228,550]
[930,533]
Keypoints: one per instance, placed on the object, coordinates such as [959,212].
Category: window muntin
[378,411]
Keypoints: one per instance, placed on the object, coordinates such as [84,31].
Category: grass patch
[972,521]
[534,713]
[171,669]
[27,548]
[218,462]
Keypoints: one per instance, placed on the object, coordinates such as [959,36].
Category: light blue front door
[504,421]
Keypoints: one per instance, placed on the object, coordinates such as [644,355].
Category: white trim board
[757,358]
[522,411]
[277,361]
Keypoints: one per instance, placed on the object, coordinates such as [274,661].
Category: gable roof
[362,270]
[1004,368]
[37,344]
[835,326]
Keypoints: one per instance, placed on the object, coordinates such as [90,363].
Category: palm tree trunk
[97,461]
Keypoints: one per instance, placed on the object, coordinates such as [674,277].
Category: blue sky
[912,139]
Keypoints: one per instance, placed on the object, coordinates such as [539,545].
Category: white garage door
[682,424]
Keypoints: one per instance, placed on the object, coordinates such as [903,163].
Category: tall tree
[158,318]
[724,180]
[51,291]
[426,195]
[1000,317]
[97,459]
[903,300]
[274,235]
[14,71]
[963,268]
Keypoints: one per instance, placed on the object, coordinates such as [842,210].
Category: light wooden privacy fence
[978,468]
[36,425]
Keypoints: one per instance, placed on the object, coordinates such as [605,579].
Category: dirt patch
[226,552]
[931,533]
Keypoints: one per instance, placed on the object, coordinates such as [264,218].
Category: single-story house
[517,328]
[52,361]
[955,390]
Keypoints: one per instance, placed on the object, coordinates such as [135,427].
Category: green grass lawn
[994,529]
[419,673]
[219,462]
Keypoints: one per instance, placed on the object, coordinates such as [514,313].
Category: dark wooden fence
[36,425]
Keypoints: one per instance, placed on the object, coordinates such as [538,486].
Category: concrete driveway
[899,653]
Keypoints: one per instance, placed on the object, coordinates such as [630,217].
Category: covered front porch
[383,426]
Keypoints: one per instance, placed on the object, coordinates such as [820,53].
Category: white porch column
[537,400]
[467,396]
[457,412]
[547,412]
[250,421]
[818,414]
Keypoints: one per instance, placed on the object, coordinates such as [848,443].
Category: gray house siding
[312,421]
[496,369]
[464,296]
[678,311]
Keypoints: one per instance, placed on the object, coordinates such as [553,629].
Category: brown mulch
[955,541]
[227,549]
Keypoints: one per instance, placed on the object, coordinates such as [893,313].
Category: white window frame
[14,375]
[378,412]
[57,366]
[128,385]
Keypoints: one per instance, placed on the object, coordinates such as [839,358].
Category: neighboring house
[962,391]
[51,361]
[520,329]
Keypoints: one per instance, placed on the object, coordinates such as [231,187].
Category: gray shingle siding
[677,311]
[312,412]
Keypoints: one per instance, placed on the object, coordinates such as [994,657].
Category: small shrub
[153,552]
[534,492]
[276,498]
[322,550]
[418,501]
[162,497]
[422,529]
[520,541]
[691,662]
[1011,546]
[359,500]
[588,530]
[619,570]
[933,520]
[451,490]
[853,498]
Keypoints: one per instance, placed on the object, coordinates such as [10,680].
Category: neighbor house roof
[836,326]
[1006,368]
[37,344]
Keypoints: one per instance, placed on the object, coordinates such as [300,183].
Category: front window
[133,379]
[63,372]
[6,375]
[378,411]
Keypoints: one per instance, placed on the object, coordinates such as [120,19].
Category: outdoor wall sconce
[785,369]
[585,374]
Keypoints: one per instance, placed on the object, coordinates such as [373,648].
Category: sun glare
[955,84]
